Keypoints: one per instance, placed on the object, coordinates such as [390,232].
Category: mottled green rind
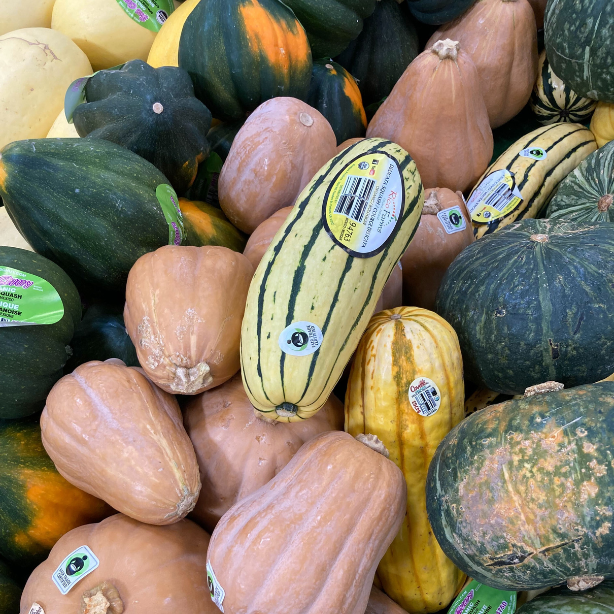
[10,591]
[519,495]
[87,204]
[527,312]
[438,12]
[578,195]
[599,600]
[579,37]
[385,48]
[33,357]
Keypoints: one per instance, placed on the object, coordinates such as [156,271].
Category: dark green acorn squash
[385,48]
[579,37]
[10,591]
[331,24]
[204,187]
[34,355]
[152,112]
[520,495]
[89,205]
[240,53]
[534,302]
[437,12]
[598,600]
[587,194]
[335,94]
[220,138]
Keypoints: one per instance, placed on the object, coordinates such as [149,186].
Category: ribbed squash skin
[533,304]
[32,357]
[399,346]
[598,600]
[240,53]
[519,495]
[566,146]
[10,591]
[38,505]
[288,285]
[436,12]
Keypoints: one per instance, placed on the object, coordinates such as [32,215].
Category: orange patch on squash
[353,93]
[197,217]
[3,174]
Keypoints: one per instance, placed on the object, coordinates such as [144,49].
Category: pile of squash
[306,306]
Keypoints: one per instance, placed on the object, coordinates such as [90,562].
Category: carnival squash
[380,603]
[437,113]
[501,39]
[519,494]
[10,590]
[152,112]
[141,570]
[436,12]
[240,53]
[223,419]
[598,599]
[133,451]
[262,237]
[602,123]
[183,312]
[445,230]
[273,157]
[539,8]
[406,388]
[347,504]
[61,129]
[36,67]
[26,14]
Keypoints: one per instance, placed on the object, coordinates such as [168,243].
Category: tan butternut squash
[347,144]
[380,603]
[261,238]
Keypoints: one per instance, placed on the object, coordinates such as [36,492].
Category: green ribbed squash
[598,600]
[10,591]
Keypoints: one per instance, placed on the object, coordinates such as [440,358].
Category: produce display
[306,306]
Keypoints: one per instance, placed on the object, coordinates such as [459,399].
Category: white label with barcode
[495,197]
[424,396]
[355,197]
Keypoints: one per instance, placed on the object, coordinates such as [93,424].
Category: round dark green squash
[240,53]
[437,12]
[152,112]
[587,193]
[384,49]
[33,356]
[10,591]
[87,204]
[520,495]
[534,303]
[335,94]
[579,37]
[560,600]
[220,138]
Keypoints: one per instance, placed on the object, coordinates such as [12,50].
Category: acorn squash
[10,590]
[436,12]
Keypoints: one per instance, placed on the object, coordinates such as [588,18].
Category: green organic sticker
[27,299]
[477,598]
[78,564]
[170,207]
[150,14]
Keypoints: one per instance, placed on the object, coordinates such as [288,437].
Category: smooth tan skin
[437,113]
[279,149]
[61,129]
[501,38]
[539,7]
[432,250]
[26,14]
[184,307]
[156,570]
[310,540]
[237,451]
[113,434]
[347,144]
[380,603]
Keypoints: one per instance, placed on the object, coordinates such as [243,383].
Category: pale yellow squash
[61,129]
[165,49]
[24,14]
[36,67]
[410,356]
[9,235]
[602,124]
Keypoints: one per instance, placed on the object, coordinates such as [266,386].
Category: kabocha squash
[151,112]
[240,53]
[222,418]
[335,94]
[436,12]
[444,231]
[61,129]
[545,288]
[26,14]
[406,388]
[598,599]
[44,306]
[10,591]
[141,570]
[521,182]
[587,193]
[383,50]
[501,39]
[183,312]
[602,123]
[437,113]
[493,481]
[89,205]
[380,603]
[273,157]
[133,450]
[351,501]
[36,67]
[322,275]
[552,101]
[38,504]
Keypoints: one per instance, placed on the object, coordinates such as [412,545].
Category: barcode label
[500,198]
[355,197]
[424,396]
[496,196]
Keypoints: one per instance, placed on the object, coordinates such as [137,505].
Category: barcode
[426,400]
[500,198]
[355,197]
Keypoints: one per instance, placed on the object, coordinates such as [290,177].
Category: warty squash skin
[501,38]
[133,451]
[281,146]
[223,419]
[406,388]
[437,113]
[154,570]
[347,504]
[380,603]
[183,312]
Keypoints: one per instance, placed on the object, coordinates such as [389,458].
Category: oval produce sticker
[424,396]
[495,197]
[150,14]
[300,339]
